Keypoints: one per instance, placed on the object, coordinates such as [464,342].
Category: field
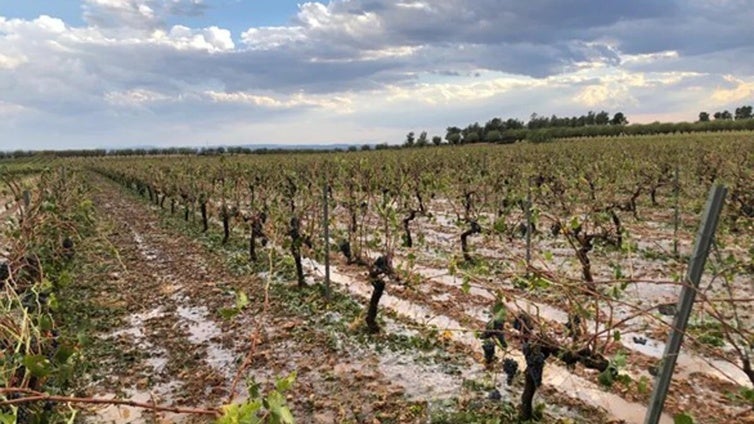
[158,289]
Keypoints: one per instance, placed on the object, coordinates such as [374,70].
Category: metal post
[528,230]
[704,238]
[327,239]
[677,214]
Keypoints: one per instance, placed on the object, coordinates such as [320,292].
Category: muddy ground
[168,343]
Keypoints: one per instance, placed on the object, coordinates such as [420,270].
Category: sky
[120,73]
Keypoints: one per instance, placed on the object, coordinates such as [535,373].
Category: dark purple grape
[495,328]
[489,351]
[494,395]
[510,368]
[4,271]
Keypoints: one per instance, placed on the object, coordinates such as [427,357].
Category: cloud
[137,14]
[740,92]
[12,62]
[337,104]
[385,65]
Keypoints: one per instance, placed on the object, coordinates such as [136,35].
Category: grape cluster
[495,329]
[4,271]
[510,368]
[23,416]
[345,249]
[489,351]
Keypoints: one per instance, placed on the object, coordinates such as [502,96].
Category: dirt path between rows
[172,346]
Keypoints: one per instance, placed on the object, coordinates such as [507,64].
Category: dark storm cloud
[501,21]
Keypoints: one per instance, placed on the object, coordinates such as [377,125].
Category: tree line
[743,112]
[538,128]
[592,124]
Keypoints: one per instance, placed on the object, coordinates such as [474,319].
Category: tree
[453,135]
[602,118]
[422,141]
[590,118]
[409,140]
[437,140]
[493,136]
[743,112]
[470,137]
[472,133]
[513,124]
[493,124]
[724,115]
[619,119]
[703,117]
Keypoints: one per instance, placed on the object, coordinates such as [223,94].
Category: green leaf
[38,365]
[45,323]
[548,255]
[228,313]
[280,414]
[499,311]
[466,286]
[683,419]
[283,384]
[65,351]
[616,335]
[606,377]
[620,359]
[452,269]
[748,394]
[253,387]
[7,418]
[643,385]
[241,300]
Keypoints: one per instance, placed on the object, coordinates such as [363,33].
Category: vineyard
[451,284]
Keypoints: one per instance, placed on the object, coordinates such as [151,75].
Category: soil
[172,346]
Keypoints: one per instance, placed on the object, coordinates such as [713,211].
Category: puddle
[689,364]
[426,382]
[201,331]
[135,327]
[200,328]
[146,251]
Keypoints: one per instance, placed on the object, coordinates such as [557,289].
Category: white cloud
[269,38]
[12,62]
[212,39]
[135,97]
[743,91]
[338,103]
